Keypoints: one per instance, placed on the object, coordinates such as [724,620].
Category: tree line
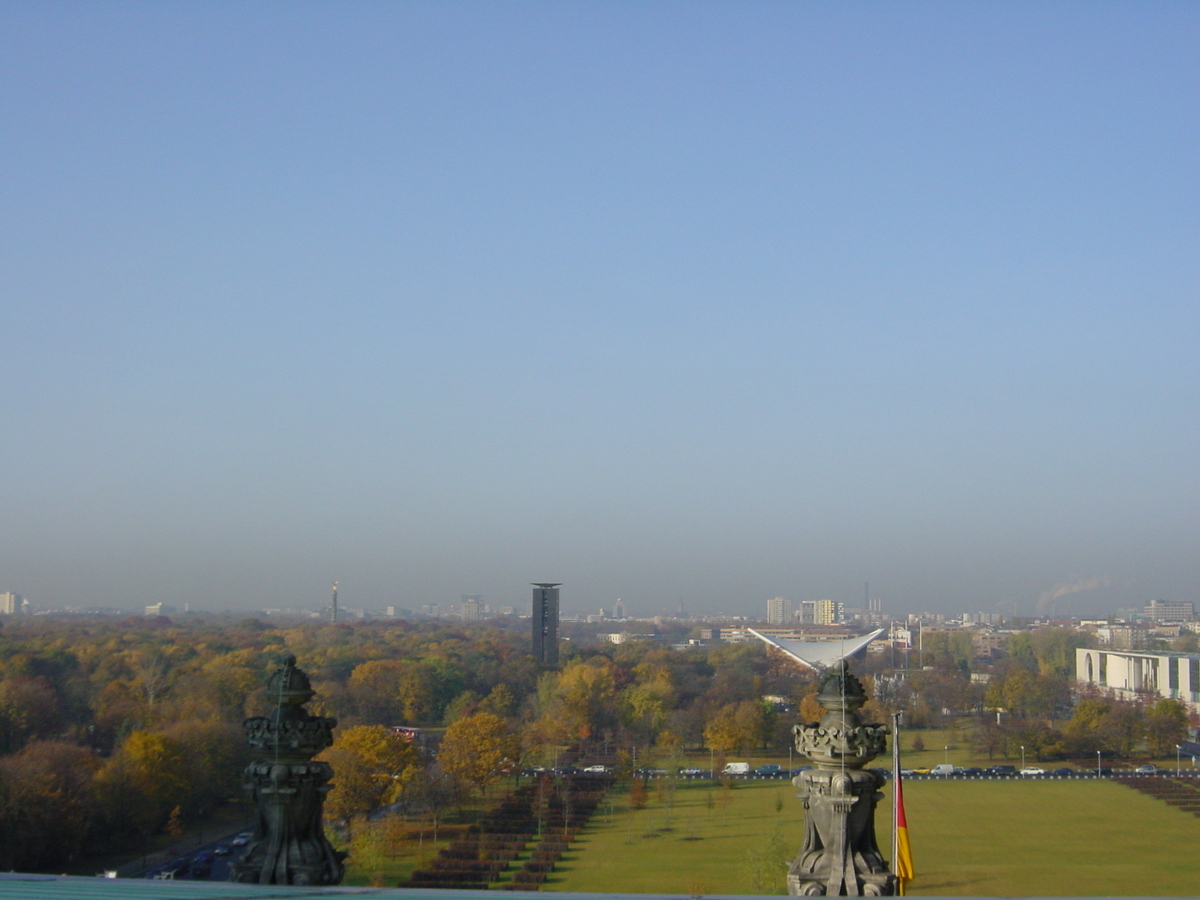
[113,730]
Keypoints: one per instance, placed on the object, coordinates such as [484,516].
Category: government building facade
[1133,674]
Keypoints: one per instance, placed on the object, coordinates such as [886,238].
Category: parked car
[568,770]
[1033,770]
[202,864]
[1064,772]
[222,850]
[692,773]
[905,772]
[1102,772]
[595,770]
[769,769]
[242,839]
[971,770]
[1148,769]
[736,768]
[944,769]
[1002,771]
[799,769]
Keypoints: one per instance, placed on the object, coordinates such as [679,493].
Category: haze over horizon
[661,301]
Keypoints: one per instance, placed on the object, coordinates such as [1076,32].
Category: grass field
[986,838]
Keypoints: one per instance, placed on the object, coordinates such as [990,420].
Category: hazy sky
[699,301]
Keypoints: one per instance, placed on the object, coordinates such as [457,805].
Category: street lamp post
[1097,763]
[947,757]
[1177,749]
[1022,756]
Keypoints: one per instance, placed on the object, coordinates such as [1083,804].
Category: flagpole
[895,790]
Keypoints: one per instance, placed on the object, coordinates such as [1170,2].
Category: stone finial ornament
[840,856]
[289,788]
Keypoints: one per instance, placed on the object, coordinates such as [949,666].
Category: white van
[736,769]
[943,769]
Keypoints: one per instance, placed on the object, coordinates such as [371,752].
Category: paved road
[186,868]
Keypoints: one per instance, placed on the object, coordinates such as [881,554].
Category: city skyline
[708,304]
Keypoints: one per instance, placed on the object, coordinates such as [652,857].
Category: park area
[1072,837]
[970,838]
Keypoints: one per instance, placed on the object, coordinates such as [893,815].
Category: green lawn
[1029,838]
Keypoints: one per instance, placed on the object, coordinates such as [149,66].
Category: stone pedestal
[840,856]
[288,787]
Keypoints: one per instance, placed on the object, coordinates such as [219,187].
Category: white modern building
[1130,674]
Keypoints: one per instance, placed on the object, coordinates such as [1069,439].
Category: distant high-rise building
[472,608]
[828,612]
[10,604]
[779,611]
[808,612]
[1177,611]
[618,609]
[545,623]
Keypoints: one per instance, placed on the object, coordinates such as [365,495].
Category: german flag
[903,863]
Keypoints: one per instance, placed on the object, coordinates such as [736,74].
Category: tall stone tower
[545,623]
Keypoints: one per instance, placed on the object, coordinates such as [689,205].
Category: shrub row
[525,877]
[460,870]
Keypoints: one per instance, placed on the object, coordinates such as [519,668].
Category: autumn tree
[29,709]
[46,805]
[1166,726]
[479,750]
[370,768]
[737,726]
[375,688]
[142,782]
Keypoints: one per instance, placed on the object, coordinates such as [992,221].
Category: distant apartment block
[10,604]
[828,612]
[779,611]
[1178,611]
[471,608]
[159,609]
[989,645]
[982,618]
[1122,637]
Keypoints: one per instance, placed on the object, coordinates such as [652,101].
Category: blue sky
[711,302]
